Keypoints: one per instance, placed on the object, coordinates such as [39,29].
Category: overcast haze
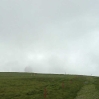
[51,36]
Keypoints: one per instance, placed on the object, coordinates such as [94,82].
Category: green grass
[25,86]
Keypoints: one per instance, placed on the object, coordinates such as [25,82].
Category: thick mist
[50,36]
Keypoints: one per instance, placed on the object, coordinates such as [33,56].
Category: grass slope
[30,86]
[88,91]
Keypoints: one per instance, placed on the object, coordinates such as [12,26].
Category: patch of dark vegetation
[25,86]
[96,82]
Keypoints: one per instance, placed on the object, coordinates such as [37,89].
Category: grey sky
[51,36]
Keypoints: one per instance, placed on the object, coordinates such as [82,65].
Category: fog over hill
[51,36]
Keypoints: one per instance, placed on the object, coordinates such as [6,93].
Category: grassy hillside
[48,86]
